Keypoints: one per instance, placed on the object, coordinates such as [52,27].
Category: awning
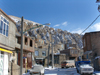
[8,51]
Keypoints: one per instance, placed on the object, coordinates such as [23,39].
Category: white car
[86,69]
[37,69]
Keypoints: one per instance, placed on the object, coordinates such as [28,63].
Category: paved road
[59,71]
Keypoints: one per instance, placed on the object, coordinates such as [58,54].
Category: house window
[1,26]
[26,41]
[36,53]
[76,52]
[4,26]
[31,43]
[62,46]
[42,41]
[56,59]
[43,53]
[7,30]
[72,51]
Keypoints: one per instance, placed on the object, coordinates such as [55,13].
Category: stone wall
[15,69]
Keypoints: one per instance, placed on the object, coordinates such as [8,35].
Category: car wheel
[77,71]
[91,74]
[66,67]
[43,74]
[72,66]
[62,67]
[30,73]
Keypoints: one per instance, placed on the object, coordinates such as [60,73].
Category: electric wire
[90,24]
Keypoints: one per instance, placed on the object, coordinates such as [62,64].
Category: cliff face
[48,34]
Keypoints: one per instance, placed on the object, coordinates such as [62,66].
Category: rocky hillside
[48,34]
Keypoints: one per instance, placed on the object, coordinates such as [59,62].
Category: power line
[90,25]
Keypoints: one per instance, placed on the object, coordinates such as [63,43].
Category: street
[59,71]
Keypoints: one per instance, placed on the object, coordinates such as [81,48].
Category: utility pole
[52,57]
[52,52]
[21,51]
[48,55]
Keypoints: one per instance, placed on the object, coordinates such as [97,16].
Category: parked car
[37,69]
[67,64]
[84,67]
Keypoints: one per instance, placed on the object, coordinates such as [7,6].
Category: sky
[70,15]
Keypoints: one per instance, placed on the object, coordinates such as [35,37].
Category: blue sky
[70,15]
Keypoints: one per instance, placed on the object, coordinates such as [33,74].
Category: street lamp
[36,27]
[21,52]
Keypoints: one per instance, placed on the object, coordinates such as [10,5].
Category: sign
[4,50]
[24,57]
[25,60]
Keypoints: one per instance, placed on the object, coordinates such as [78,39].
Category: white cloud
[79,31]
[95,27]
[56,25]
[64,23]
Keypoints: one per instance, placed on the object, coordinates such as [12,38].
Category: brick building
[91,47]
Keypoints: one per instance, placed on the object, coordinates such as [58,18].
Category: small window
[4,28]
[4,25]
[72,51]
[1,26]
[1,17]
[75,52]
[31,43]
[5,20]
[43,53]
[7,27]
[36,53]
[26,41]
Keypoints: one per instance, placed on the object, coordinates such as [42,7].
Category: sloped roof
[7,16]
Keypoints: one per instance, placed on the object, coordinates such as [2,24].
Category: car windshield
[84,64]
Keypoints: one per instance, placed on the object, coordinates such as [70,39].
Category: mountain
[48,34]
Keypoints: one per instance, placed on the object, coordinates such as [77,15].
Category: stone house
[91,47]
[7,42]
[28,50]
[69,53]
[10,47]
[72,54]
